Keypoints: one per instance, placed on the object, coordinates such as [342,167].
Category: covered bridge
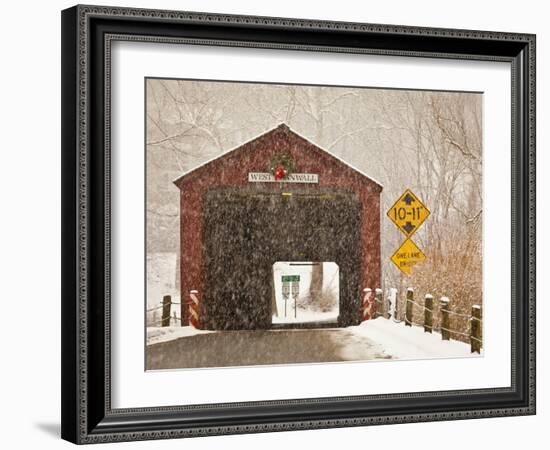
[277,197]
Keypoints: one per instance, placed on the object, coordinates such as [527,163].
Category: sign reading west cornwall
[266,177]
[407,256]
[408,213]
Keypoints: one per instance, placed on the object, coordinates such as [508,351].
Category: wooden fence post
[166,303]
[409,307]
[445,322]
[379,307]
[475,329]
[428,313]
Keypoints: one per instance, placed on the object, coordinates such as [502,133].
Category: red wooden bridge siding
[232,168]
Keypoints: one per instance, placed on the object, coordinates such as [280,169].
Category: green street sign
[290,278]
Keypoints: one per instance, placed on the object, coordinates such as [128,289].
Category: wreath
[281,166]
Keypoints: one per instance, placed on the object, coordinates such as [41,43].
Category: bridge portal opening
[305,292]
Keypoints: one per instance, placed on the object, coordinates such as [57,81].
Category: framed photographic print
[268,222]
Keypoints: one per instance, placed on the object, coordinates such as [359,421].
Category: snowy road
[185,347]
[241,348]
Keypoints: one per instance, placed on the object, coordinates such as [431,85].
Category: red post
[194,319]
[366,303]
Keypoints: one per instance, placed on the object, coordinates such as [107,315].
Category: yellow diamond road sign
[408,213]
[407,256]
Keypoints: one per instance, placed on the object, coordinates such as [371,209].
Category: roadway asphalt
[245,348]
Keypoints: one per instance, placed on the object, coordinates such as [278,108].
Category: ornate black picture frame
[87,35]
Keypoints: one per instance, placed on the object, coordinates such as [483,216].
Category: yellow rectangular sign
[408,213]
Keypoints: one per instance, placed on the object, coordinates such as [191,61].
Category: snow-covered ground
[156,335]
[306,315]
[402,342]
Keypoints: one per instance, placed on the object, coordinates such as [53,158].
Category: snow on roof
[282,125]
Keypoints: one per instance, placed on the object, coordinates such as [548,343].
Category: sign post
[295,291]
[291,283]
[286,292]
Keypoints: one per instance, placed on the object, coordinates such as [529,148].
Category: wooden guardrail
[445,312]
[166,319]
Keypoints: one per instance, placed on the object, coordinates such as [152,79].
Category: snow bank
[401,342]
[307,315]
[163,334]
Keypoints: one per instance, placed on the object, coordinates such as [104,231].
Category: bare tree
[316,286]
